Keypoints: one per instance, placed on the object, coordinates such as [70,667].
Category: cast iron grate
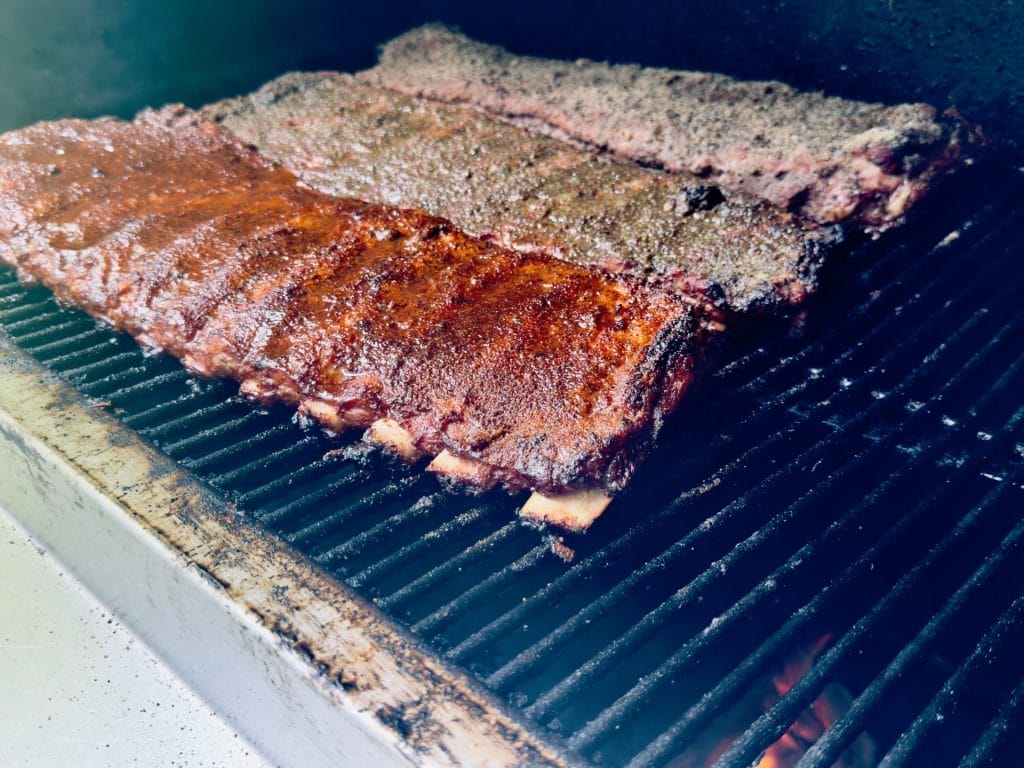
[855,489]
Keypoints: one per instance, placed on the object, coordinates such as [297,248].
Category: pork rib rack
[506,367]
[829,160]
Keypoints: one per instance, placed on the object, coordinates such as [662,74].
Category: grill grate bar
[920,290]
[422,508]
[103,364]
[415,549]
[429,579]
[987,648]
[22,311]
[10,288]
[26,340]
[12,297]
[526,660]
[305,474]
[150,420]
[741,505]
[189,422]
[644,690]
[887,326]
[480,590]
[276,460]
[239,447]
[692,593]
[1007,720]
[383,491]
[43,318]
[13,292]
[126,377]
[829,747]
[768,728]
[43,351]
[215,433]
[345,477]
[151,383]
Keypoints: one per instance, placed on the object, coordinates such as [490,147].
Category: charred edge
[211,577]
[671,364]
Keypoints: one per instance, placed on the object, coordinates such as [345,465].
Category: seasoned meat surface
[344,137]
[541,373]
[829,159]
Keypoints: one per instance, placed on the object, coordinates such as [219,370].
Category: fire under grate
[824,561]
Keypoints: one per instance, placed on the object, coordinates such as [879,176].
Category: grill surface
[860,481]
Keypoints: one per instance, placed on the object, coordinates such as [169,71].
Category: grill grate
[857,485]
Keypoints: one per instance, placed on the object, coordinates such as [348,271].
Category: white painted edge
[244,671]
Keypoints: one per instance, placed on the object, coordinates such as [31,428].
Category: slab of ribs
[827,159]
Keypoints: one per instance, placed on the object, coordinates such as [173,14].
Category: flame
[830,705]
[790,747]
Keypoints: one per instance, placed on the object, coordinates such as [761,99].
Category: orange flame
[808,728]
[791,746]
[818,718]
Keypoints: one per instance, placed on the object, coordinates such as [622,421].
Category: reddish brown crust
[549,375]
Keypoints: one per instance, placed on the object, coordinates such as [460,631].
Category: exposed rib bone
[575,510]
[391,434]
[459,468]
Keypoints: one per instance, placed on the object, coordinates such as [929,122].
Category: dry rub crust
[829,159]
[543,374]
[529,192]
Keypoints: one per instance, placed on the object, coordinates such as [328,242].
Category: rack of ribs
[527,191]
[504,366]
[825,158]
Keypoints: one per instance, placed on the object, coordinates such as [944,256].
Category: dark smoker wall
[85,57]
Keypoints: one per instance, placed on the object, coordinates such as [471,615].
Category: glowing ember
[826,709]
[811,724]
[808,728]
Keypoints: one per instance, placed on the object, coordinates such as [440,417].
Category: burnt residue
[395,718]
[699,197]
[345,681]
[212,577]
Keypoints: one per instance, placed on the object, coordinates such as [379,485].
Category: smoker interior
[853,485]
